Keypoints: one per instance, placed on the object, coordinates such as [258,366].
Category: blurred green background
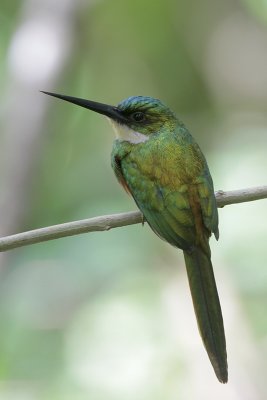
[109,315]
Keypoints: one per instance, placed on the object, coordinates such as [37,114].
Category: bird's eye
[138,116]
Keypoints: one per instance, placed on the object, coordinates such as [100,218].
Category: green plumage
[158,162]
[170,182]
[207,308]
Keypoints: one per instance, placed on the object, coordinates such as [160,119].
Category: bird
[159,163]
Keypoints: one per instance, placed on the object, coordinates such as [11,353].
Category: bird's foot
[143,220]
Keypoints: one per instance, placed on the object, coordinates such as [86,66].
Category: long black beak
[105,109]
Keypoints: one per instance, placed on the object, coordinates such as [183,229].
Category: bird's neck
[127,134]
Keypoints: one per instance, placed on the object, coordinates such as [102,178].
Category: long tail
[207,309]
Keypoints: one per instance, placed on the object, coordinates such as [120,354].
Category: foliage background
[108,315]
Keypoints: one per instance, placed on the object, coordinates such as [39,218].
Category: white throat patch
[122,132]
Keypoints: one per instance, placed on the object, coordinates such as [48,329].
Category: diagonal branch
[106,222]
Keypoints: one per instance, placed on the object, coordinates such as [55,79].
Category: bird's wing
[208,203]
[183,218]
[170,216]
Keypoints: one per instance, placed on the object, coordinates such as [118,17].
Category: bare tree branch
[106,222]
[240,196]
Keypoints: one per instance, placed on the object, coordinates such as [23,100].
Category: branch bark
[107,222]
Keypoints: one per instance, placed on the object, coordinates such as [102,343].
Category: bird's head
[134,119]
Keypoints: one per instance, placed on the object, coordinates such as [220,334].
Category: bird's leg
[143,220]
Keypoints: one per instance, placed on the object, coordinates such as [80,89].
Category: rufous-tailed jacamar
[159,163]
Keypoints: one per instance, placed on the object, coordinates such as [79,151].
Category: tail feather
[207,309]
